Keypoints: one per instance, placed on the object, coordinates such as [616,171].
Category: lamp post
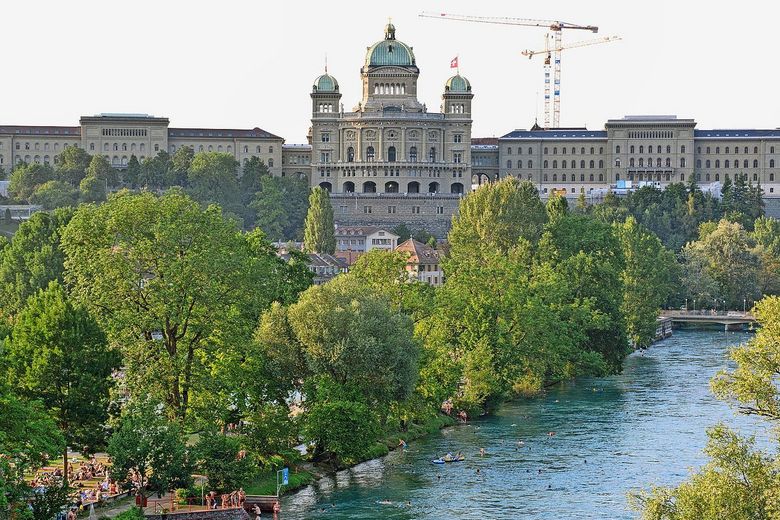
[744,305]
[694,305]
[686,304]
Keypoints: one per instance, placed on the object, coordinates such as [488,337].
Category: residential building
[422,262]
[364,238]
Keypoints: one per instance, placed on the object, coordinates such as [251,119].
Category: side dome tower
[457,97]
[325,95]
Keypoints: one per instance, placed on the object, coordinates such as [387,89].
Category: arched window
[591,177]
[755,149]
[142,147]
[631,162]
[545,178]
[456,188]
[413,187]
[717,176]
[698,163]
[432,154]
[349,187]
[582,177]
[755,163]
[270,163]
[682,149]
[591,150]
[270,149]
[519,163]
[433,187]
[771,163]
[105,147]
[632,148]
[413,154]
[369,187]
[555,164]
[617,162]
[755,177]
[391,154]
[582,150]
[509,151]
[617,149]
[745,163]
[555,150]
[369,154]
[257,149]
[641,149]
[391,187]
[682,162]
[668,149]
[641,162]
[555,177]
[601,163]
[563,165]
[726,163]
[545,163]
[717,163]
[530,150]
[708,150]
[582,164]
[116,147]
[707,177]
[772,177]
[211,148]
[563,177]
[545,150]
[746,150]
[350,154]
[707,163]
[509,163]
[246,149]
[530,164]
[326,186]
[771,149]
[229,149]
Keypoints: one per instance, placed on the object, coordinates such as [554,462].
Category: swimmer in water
[482,452]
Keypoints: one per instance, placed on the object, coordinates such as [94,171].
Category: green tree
[212,179]
[25,178]
[99,168]
[154,170]
[726,253]
[59,355]
[132,173]
[29,438]
[557,207]
[319,232]
[72,165]
[148,443]
[92,189]
[280,207]
[32,260]
[181,161]
[496,216]
[171,281]
[54,194]
[649,278]
[219,457]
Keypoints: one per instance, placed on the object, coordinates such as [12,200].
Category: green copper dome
[326,83]
[457,83]
[390,51]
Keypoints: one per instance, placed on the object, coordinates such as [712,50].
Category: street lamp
[694,305]
[744,305]
[686,304]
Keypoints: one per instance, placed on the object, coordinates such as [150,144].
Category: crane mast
[552,86]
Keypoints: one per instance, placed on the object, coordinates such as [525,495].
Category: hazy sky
[240,64]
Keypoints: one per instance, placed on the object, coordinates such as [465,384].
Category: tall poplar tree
[319,234]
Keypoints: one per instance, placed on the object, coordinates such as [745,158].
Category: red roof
[419,253]
[484,140]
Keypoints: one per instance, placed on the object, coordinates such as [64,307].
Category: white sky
[240,64]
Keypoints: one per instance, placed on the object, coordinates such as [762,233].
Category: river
[612,435]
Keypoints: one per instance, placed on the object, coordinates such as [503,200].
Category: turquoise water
[612,435]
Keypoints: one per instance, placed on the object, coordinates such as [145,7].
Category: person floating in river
[402,444]
[482,452]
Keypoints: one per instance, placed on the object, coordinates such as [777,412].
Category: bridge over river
[731,320]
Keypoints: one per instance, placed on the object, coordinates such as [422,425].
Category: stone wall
[430,212]
[216,514]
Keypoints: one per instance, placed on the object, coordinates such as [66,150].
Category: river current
[611,436]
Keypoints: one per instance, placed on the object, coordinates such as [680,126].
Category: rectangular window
[457,157]
[416,210]
[366,209]
[391,209]
[343,210]
[440,210]
[458,138]
[325,137]
[325,157]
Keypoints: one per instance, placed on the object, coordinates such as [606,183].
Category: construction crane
[556,27]
[547,52]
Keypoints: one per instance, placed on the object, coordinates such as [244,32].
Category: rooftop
[360,231]
[736,133]
[221,132]
[41,130]
[419,253]
[558,133]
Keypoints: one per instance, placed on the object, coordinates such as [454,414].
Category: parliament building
[390,160]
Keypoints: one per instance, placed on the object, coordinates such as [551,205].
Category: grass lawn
[265,484]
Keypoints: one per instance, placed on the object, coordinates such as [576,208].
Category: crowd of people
[226,500]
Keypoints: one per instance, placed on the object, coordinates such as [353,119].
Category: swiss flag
[454,63]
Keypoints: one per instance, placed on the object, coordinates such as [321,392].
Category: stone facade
[120,136]
[215,514]
[390,160]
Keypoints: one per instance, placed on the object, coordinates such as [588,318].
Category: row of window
[124,132]
[727,164]
[555,150]
[658,148]
[392,155]
[394,187]
[37,146]
[390,88]
[392,210]
[736,149]
[651,134]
